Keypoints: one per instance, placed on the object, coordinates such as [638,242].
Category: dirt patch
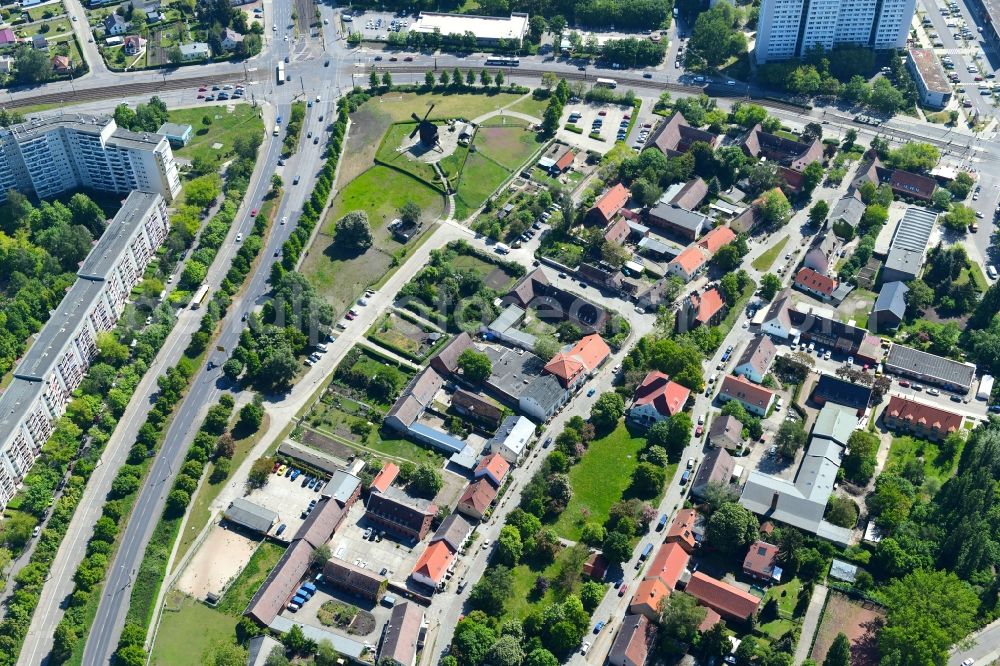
[351,618]
[327,445]
[368,124]
[218,561]
[497,279]
[859,621]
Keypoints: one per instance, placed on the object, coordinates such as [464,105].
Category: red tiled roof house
[657,398]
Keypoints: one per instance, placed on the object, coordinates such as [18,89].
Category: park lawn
[763,262]
[905,448]
[389,154]
[523,600]
[199,512]
[600,479]
[224,129]
[381,192]
[531,106]
[479,180]
[508,146]
[187,629]
[446,105]
[238,595]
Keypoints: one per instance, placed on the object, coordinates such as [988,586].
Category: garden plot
[402,334]
[859,622]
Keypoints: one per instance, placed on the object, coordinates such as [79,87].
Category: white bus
[606,83]
[199,297]
[503,61]
[281,73]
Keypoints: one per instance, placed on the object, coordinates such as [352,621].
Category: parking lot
[289,499]
[376,26]
[604,119]
[396,557]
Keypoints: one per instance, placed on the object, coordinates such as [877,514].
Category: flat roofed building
[47,156]
[929,368]
[487,29]
[932,84]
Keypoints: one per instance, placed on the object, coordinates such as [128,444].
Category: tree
[819,211]
[919,297]
[130,655]
[354,232]
[775,210]
[550,119]
[617,548]
[251,416]
[260,472]
[842,511]
[492,590]
[277,657]
[958,218]
[387,80]
[31,65]
[607,411]
[410,212]
[425,481]
[770,284]
[859,461]
[914,157]
[326,655]
[839,653]
[280,368]
[716,37]
[727,258]
[509,546]
[681,617]
[732,528]
[484,78]
[791,437]
[429,79]
[812,176]
[476,366]
[498,79]
[916,630]
[647,480]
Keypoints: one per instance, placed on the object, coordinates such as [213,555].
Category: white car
[284,220]
[585,649]
[701,419]
[239,237]
[968,662]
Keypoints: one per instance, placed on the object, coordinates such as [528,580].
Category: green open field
[787,595]
[479,180]
[389,154]
[906,448]
[764,262]
[187,629]
[531,106]
[524,599]
[509,145]
[224,129]
[600,479]
[380,192]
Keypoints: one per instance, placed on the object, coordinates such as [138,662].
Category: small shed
[252,516]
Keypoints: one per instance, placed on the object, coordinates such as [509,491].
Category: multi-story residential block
[63,350]
[47,156]
[790,28]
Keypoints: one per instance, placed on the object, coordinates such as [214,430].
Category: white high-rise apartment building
[46,156]
[63,350]
[789,28]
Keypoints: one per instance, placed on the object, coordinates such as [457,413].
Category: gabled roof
[892,299]
[477,405]
[746,392]
[716,467]
[717,238]
[566,161]
[446,360]
[321,522]
[681,528]
[667,397]
[676,135]
[758,354]
[906,359]
[708,304]
[849,208]
[495,465]
[649,594]
[842,392]
[341,572]
[691,259]
[434,561]
[724,598]
[385,477]
[585,356]
[691,194]
[835,423]
[478,496]
[915,184]
[923,415]
[669,563]
[809,279]
[617,231]
[277,588]
[760,558]
[402,633]
[796,155]
[675,215]
[726,428]
[248,514]
[778,311]
[634,640]
[454,530]
[611,201]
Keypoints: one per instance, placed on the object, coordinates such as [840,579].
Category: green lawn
[380,191]
[763,262]
[857,306]
[187,629]
[524,599]
[500,151]
[238,595]
[480,179]
[224,129]
[905,448]
[446,105]
[787,595]
[389,153]
[510,145]
[531,106]
[600,479]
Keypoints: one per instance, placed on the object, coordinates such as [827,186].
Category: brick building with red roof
[727,600]
[609,204]
[657,398]
[920,419]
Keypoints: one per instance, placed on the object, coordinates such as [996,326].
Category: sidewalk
[810,623]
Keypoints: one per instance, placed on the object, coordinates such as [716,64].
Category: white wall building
[789,28]
[48,156]
[62,352]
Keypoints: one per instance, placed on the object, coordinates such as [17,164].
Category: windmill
[428,130]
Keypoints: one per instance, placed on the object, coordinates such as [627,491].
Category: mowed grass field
[224,129]
[389,154]
[185,634]
[380,192]
[500,151]
[600,479]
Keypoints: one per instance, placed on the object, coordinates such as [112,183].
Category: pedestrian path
[810,623]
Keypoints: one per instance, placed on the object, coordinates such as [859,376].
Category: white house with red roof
[574,364]
[657,398]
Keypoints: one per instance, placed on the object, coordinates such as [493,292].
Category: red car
[202,89]
[349,316]
[602,113]
[904,383]
[699,430]
[253,213]
[627,117]
[622,589]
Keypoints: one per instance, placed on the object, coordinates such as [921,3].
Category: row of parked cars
[293,473]
[302,595]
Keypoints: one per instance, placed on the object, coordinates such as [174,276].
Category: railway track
[120,91]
